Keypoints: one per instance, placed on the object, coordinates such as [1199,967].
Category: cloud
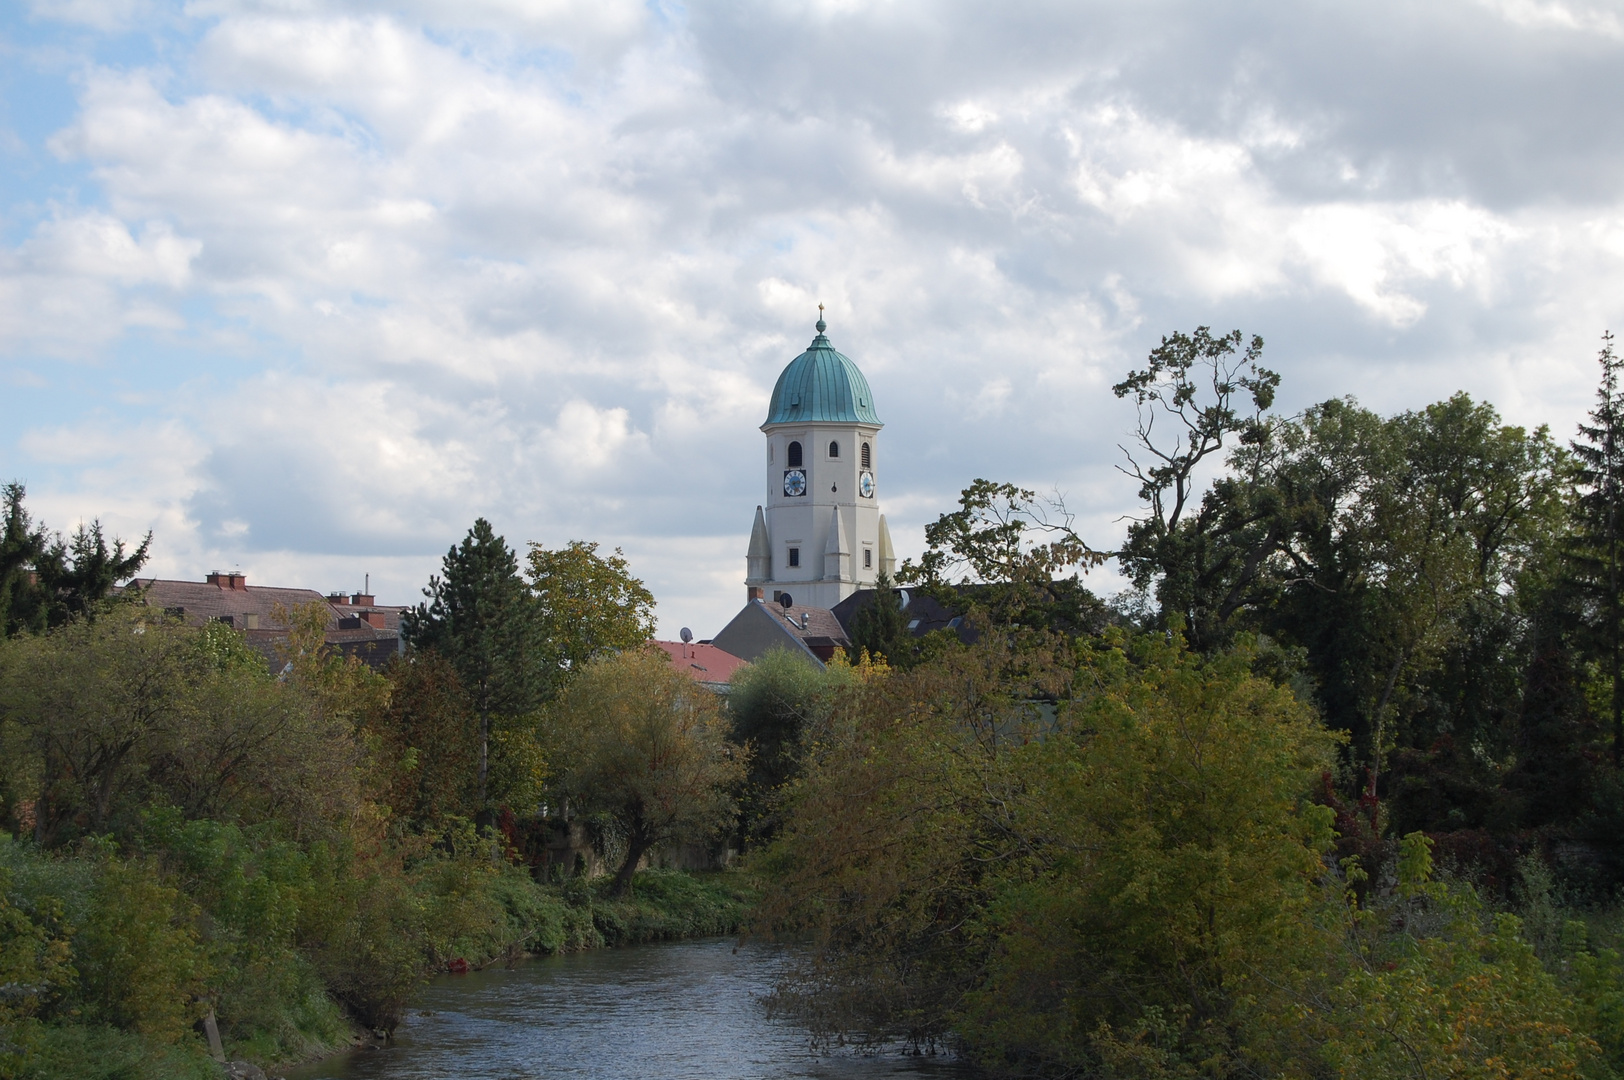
[353,273]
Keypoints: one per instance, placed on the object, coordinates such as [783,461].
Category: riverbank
[474,916]
[519,918]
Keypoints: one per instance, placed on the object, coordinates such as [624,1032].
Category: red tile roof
[706,663]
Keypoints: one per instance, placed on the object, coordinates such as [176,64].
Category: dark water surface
[654,1012]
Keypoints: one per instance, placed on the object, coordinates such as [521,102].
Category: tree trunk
[1380,730]
[637,846]
[1613,606]
[484,754]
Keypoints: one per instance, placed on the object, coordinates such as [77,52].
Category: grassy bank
[115,955]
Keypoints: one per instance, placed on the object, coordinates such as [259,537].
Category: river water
[690,1009]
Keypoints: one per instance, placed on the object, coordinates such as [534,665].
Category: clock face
[865,484]
[794,482]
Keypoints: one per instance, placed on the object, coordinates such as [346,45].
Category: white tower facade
[820,535]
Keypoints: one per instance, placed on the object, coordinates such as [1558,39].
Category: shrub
[140,962]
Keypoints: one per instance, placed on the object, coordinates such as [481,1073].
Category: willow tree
[646,746]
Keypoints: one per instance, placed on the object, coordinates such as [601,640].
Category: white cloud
[408,263]
[107,15]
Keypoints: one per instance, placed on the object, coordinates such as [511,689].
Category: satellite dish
[786,600]
[902,599]
[687,635]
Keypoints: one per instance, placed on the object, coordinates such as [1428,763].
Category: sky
[306,286]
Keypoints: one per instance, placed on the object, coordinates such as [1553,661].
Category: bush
[141,966]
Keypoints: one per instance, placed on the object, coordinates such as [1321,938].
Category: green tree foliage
[480,616]
[47,581]
[1199,555]
[970,862]
[772,704]
[1001,551]
[1400,556]
[646,746]
[880,627]
[77,574]
[35,963]
[1452,993]
[105,716]
[430,741]
[1597,546]
[140,962]
[22,547]
[586,605]
[1136,885]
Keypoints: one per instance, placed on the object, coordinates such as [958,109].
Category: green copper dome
[822,386]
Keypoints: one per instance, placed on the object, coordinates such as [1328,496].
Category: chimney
[754,592]
[338,598]
[234,580]
[362,599]
[374,619]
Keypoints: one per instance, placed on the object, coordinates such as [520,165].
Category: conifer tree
[1598,550]
[45,582]
[480,616]
[22,543]
[880,627]
[78,573]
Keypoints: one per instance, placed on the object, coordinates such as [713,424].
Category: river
[654,1012]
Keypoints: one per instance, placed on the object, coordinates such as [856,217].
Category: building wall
[805,521]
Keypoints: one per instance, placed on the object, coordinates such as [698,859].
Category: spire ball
[821,325]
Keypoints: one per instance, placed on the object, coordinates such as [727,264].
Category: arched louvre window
[834,449]
[794,455]
[868,457]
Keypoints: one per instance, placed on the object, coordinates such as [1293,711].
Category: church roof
[821,385]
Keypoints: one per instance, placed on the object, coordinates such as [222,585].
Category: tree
[586,605]
[1200,556]
[646,746]
[772,704]
[78,574]
[22,546]
[1002,549]
[46,582]
[480,616]
[880,627]
[93,699]
[1597,554]
[1038,881]
[430,739]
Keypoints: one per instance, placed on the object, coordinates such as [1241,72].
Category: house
[356,624]
[922,611]
[811,632]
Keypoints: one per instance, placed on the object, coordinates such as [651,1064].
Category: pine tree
[480,616]
[880,627]
[1598,551]
[22,543]
[46,582]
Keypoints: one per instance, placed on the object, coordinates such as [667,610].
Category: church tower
[820,536]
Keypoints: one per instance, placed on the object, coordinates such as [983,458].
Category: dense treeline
[289,849]
[1333,790]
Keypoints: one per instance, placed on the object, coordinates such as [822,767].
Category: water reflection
[690,1009]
